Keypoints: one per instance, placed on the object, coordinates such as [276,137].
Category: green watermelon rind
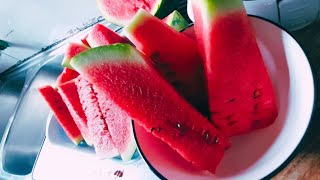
[66,61]
[212,8]
[124,52]
[160,10]
[176,21]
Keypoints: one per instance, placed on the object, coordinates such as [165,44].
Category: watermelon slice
[176,21]
[61,112]
[174,55]
[66,75]
[241,95]
[98,129]
[101,36]
[120,12]
[70,96]
[127,77]
[120,126]
[72,50]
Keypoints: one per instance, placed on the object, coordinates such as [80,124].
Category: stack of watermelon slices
[168,82]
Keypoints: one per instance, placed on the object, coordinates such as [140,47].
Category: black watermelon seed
[178,125]
[216,140]
[158,129]
[231,123]
[232,100]
[152,129]
[206,136]
[256,93]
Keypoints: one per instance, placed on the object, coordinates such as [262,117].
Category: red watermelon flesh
[126,76]
[190,32]
[61,112]
[241,96]
[101,36]
[174,56]
[72,50]
[120,12]
[66,75]
[84,41]
[70,96]
[120,127]
[98,129]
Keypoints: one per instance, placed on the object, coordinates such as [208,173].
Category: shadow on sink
[26,130]
[9,94]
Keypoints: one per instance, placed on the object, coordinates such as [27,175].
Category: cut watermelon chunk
[176,21]
[101,36]
[98,129]
[120,127]
[120,12]
[66,75]
[241,95]
[72,50]
[70,96]
[60,111]
[174,55]
[126,76]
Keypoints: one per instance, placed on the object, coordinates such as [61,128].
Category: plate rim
[297,148]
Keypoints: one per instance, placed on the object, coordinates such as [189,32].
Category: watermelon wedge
[98,129]
[120,12]
[61,112]
[174,55]
[72,50]
[176,21]
[127,77]
[66,75]
[120,126]
[101,36]
[241,96]
[70,96]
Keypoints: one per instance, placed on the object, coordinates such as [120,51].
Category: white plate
[258,154]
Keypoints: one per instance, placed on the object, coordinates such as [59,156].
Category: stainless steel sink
[25,130]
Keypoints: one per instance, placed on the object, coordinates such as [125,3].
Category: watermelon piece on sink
[174,55]
[61,112]
[241,96]
[120,12]
[98,128]
[70,96]
[126,76]
[101,36]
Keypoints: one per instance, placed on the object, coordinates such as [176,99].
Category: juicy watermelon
[61,112]
[176,21]
[66,75]
[189,32]
[70,96]
[127,77]
[72,50]
[98,129]
[241,96]
[120,127]
[84,41]
[120,12]
[101,36]
[174,55]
